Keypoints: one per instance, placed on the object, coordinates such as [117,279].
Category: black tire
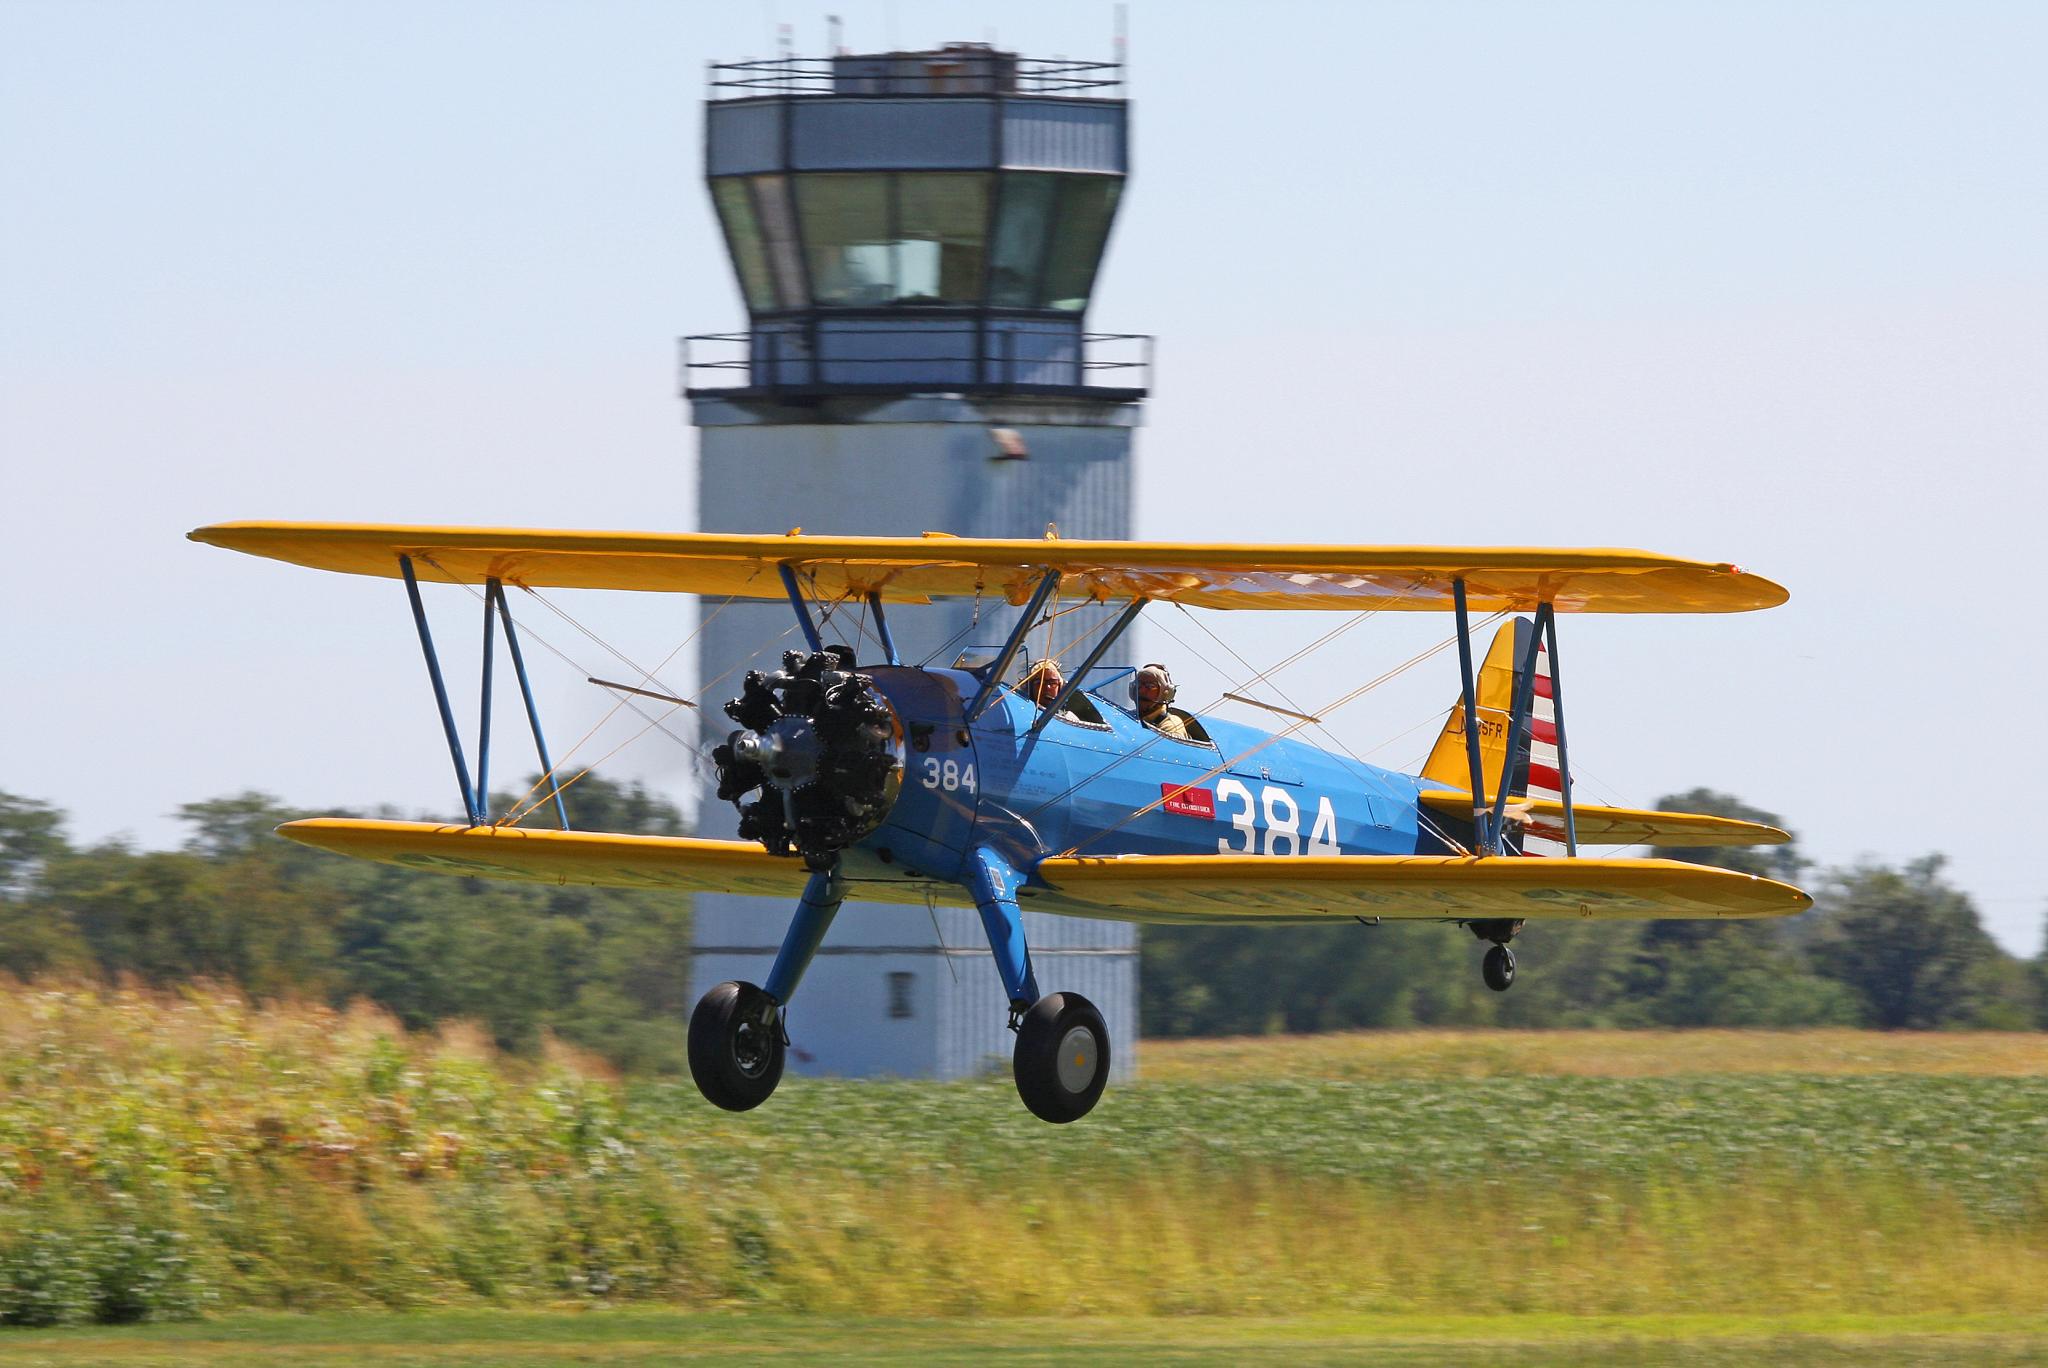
[1499,968]
[736,1046]
[1062,1059]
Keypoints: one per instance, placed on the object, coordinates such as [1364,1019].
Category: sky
[1762,283]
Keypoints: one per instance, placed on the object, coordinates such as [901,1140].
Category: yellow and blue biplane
[987,787]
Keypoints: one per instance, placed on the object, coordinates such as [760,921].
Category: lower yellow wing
[1219,888]
[1616,826]
[1151,888]
[558,857]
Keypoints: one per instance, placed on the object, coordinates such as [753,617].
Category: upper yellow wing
[1212,888]
[918,569]
[1619,826]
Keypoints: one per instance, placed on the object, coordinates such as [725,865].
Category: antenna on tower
[833,45]
[1121,45]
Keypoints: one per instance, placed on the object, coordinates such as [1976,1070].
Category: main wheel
[1499,968]
[736,1046]
[1062,1059]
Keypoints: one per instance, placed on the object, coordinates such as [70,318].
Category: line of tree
[1886,947]
[606,969]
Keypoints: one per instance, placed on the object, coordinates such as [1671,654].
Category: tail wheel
[1499,968]
[821,748]
[1062,1059]
[736,1046]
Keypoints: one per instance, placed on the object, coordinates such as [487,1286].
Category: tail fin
[1536,769]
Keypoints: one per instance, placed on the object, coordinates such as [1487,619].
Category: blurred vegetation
[607,970]
[169,1153]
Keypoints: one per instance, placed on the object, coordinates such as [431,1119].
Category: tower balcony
[956,69]
[811,356]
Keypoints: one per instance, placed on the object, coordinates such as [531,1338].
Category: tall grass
[160,1156]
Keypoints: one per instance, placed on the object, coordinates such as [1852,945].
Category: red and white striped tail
[1543,838]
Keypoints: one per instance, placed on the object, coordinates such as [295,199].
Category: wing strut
[1524,702]
[803,614]
[1564,759]
[495,588]
[419,619]
[1093,658]
[882,630]
[1480,815]
[476,795]
[993,684]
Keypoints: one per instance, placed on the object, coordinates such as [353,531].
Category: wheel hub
[752,1048]
[1077,1056]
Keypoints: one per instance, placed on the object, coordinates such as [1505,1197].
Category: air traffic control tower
[916,236]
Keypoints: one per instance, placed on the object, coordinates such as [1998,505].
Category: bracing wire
[648,676]
[1363,771]
[1250,751]
[973,622]
[1147,745]
[931,907]
[618,702]
[530,804]
[701,696]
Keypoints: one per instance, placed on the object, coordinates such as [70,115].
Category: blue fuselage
[1074,785]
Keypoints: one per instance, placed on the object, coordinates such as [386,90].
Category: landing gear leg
[1062,1056]
[738,1033]
[994,885]
[1499,966]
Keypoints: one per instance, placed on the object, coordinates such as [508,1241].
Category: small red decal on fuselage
[1189,802]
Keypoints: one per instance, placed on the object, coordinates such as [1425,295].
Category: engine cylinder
[818,760]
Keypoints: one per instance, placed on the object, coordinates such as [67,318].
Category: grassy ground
[544,1340]
[1830,1053]
[1469,1196]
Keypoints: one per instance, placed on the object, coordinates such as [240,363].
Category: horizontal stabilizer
[1615,826]
[1223,888]
[920,569]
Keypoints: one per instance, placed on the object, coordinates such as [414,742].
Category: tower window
[899,993]
[882,238]
[743,230]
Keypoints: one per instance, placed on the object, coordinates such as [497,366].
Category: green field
[465,1339]
[1494,1196]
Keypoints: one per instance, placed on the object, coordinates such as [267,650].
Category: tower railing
[970,71]
[963,357]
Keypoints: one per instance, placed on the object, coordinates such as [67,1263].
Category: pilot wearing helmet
[1152,692]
